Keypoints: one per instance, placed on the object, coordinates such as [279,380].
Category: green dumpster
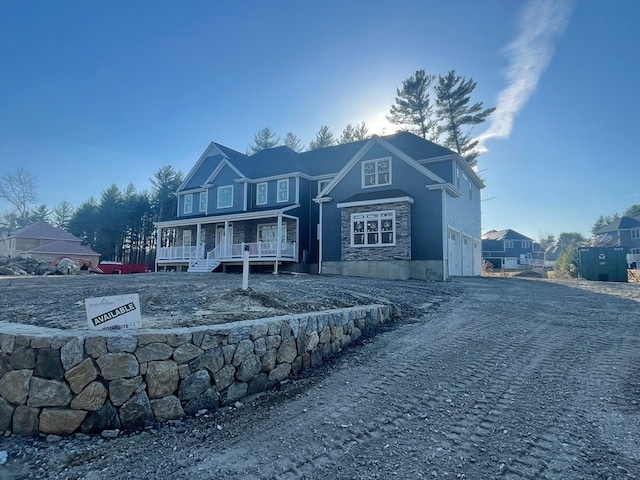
[603,264]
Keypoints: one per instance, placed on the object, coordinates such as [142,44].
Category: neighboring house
[46,243]
[623,232]
[508,249]
[395,206]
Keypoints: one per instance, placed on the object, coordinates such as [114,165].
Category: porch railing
[181,253]
[257,250]
[266,250]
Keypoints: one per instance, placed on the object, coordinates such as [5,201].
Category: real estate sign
[113,313]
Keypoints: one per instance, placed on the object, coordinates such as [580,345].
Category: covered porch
[204,243]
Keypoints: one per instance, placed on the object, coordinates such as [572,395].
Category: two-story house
[508,248]
[623,232]
[395,206]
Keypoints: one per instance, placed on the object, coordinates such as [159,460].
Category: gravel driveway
[482,378]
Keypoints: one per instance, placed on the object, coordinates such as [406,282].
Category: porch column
[198,240]
[226,241]
[158,244]
[278,242]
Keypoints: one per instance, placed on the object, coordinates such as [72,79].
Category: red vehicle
[117,267]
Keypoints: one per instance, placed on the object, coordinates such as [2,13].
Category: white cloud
[540,24]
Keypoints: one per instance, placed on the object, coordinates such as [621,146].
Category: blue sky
[100,92]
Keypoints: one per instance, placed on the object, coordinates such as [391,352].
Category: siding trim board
[380,201]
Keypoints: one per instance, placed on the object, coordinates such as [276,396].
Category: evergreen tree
[292,141]
[632,211]
[324,138]
[263,140]
[354,133]
[62,214]
[413,109]
[84,222]
[453,94]
[361,132]
[163,201]
[39,214]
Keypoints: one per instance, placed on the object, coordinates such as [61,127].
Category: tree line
[435,107]
[119,226]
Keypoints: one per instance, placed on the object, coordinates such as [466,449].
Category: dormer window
[376,172]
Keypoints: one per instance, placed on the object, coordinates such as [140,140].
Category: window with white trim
[322,184]
[268,232]
[373,229]
[261,193]
[526,244]
[283,190]
[225,196]
[508,244]
[203,201]
[635,234]
[188,203]
[376,172]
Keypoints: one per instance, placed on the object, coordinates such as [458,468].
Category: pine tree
[354,133]
[292,141]
[453,94]
[324,138]
[62,214]
[263,140]
[413,108]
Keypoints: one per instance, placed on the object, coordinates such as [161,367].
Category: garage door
[467,256]
[455,256]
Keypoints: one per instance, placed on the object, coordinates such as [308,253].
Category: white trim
[448,187]
[211,147]
[224,162]
[282,181]
[266,193]
[225,187]
[380,201]
[375,174]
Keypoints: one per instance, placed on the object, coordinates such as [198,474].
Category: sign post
[245,268]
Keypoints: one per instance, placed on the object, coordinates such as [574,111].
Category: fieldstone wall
[61,382]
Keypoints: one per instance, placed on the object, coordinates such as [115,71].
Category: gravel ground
[480,378]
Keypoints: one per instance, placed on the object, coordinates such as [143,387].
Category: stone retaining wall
[60,382]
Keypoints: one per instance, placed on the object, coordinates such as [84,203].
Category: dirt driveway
[499,378]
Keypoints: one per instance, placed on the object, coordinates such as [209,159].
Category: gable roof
[44,231]
[506,234]
[63,247]
[622,223]
[282,160]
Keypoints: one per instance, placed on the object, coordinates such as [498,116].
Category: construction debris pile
[17,266]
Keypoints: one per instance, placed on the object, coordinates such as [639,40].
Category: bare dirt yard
[479,378]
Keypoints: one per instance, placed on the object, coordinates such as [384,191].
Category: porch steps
[203,267]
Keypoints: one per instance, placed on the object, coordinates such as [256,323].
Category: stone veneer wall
[60,382]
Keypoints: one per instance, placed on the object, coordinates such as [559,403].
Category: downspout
[445,237]
[319,234]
